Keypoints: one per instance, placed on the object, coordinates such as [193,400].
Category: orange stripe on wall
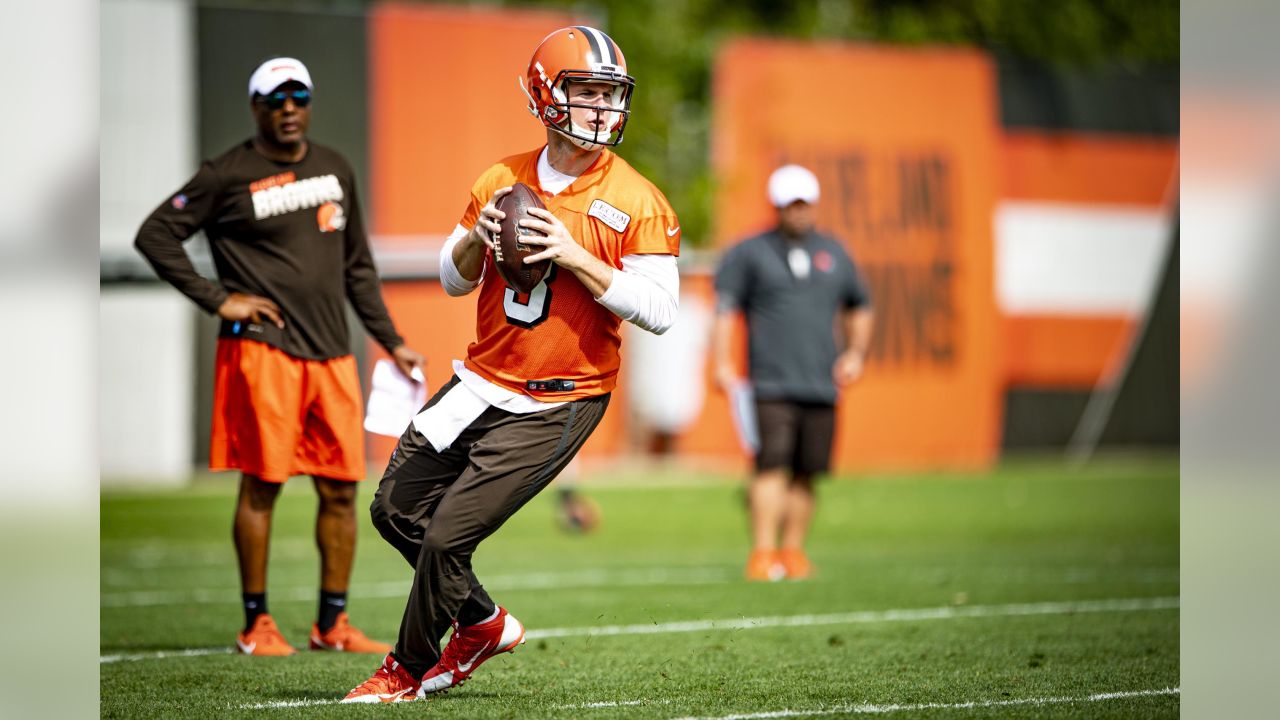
[1066,167]
[1064,351]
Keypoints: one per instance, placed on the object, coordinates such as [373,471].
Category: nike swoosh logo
[246,649]
[398,696]
[443,681]
[316,639]
[466,667]
[673,231]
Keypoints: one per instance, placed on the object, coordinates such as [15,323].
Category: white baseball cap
[276,72]
[790,183]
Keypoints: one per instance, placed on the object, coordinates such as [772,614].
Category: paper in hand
[393,399]
[742,407]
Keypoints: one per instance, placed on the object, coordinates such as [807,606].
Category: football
[508,251]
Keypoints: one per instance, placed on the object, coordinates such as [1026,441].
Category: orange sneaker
[390,683]
[764,565]
[342,637]
[795,563]
[263,638]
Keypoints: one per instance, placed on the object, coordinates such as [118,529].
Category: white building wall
[148,111]
[148,149]
[145,386]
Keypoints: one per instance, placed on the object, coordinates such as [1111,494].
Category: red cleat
[468,648]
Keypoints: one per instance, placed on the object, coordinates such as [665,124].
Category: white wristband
[450,278]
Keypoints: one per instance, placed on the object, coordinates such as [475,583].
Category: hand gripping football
[508,251]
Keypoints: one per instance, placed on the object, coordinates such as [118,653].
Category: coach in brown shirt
[284,226]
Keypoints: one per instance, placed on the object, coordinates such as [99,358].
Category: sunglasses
[275,101]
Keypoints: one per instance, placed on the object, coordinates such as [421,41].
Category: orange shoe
[764,565]
[342,637]
[390,683]
[263,638]
[795,563]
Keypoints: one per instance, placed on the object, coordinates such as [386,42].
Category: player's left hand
[848,368]
[559,246]
[407,360]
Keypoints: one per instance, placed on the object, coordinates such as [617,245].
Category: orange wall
[905,145]
[1065,351]
[444,105]
[1082,168]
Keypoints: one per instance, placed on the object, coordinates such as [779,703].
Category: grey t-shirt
[791,292]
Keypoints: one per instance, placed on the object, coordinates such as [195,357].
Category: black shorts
[795,436]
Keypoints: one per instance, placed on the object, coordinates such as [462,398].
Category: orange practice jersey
[559,331]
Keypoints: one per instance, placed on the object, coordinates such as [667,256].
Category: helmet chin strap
[576,139]
[533,106]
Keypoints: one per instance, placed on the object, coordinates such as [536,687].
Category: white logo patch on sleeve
[609,215]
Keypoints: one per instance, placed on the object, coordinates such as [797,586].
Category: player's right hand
[239,307]
[848,368]
[489,222]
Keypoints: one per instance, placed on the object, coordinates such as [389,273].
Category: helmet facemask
[557,108]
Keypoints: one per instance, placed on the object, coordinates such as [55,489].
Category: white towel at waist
[443,422]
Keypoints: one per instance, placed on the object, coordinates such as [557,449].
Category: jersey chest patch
[609,215]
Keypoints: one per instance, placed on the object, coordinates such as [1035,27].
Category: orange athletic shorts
[275,415]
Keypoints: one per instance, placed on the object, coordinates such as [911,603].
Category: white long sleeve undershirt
[450,278]
[646,292]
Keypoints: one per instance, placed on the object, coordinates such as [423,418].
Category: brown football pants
[436,507]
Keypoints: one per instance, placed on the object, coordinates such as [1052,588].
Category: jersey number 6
[530,311]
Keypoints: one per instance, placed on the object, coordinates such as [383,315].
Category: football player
[537,379]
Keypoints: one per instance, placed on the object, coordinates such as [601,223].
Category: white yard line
[605,704]
[162,654]
[916,707]
[947,612]
[286,704]
[815,712]
[754,623]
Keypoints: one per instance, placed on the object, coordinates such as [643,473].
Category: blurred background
[1094,76]
[1004,173]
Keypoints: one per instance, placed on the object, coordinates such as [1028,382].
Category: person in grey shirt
[809,324]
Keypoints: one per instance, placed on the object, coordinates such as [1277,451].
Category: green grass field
[1034,591]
